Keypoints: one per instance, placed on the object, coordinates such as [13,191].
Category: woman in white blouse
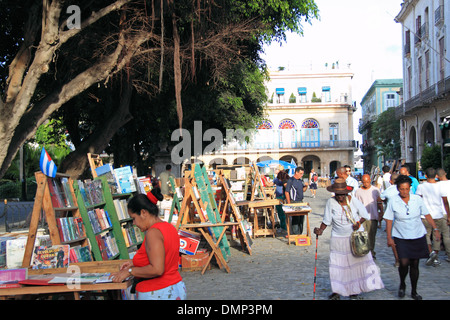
[406,232]
[349,275]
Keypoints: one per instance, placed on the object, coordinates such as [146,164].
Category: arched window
[287,124]
[310,135]
[310,124]
[265,124]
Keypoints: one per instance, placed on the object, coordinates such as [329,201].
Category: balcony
[439,15]
[289,140]
[424,98]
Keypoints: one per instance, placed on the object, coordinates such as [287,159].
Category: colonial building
[309,119]
[382,94]
[426,76]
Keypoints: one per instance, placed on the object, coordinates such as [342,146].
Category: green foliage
[315,99]
[386,135]
[431,157]
[292,98]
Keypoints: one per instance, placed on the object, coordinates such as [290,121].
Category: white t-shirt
[352,182]
[390,192]
[369,198]
[335,216]
[432,194]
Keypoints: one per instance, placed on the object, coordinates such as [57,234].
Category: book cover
[145,184]
[45,257]
[15,250]
[8,276]
[125,179]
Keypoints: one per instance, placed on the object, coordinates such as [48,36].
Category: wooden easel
[176,205]
[94,163]
[197,192]
[231,203]
[43,201]
[257,185]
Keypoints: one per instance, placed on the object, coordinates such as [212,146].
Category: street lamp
[411,148]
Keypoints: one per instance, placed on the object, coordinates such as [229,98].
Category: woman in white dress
[349,275]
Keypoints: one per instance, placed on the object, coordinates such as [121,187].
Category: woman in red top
[155,264]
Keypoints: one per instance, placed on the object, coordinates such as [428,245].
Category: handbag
[359,240]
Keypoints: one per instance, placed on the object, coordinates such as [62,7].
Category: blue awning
[279,90]
[301,90]
[325,89]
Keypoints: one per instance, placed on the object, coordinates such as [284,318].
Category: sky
[360,32]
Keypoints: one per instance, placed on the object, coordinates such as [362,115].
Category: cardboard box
[194,262]
[302,240]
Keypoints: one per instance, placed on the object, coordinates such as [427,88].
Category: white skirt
[351,275]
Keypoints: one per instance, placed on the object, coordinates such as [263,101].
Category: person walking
[369,195]
[313,178]
[435,199]
[385,196]
[345,173]
[164,182]
[280,181]
[405,231]
[349,275]
[404,170]
[295,189]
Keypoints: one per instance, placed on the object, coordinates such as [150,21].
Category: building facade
[382,94]
[426,77]
[308,119]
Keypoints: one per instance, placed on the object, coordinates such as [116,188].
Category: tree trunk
[76,162]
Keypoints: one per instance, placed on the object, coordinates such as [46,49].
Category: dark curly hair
[139,202]
[403,179]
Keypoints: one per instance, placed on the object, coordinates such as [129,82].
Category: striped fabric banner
[47,165]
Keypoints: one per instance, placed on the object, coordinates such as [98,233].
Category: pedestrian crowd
[417,225]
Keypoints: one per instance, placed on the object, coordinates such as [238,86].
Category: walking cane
[315,268]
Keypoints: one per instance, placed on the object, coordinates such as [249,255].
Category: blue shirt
[407,222]
[295,189]
[414,185]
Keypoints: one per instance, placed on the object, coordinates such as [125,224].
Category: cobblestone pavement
[278,271]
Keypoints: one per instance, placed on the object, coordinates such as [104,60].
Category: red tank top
[171,275]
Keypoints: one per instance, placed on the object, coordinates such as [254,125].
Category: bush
[431,157]
[10,189]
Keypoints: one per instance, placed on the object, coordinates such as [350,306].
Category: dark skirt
[412,248]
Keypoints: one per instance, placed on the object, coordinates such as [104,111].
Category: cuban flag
[47,165]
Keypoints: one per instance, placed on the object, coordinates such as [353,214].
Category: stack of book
[99,219]
[91,192]
[60,193]
[121,209]
[80,254]
[131,234]
[70,228]
[107,245]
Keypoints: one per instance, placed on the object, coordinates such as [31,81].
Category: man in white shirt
[386,196]
[435,199]
[383,181]
[445,185]
[345,173]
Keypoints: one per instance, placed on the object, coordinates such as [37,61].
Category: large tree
[128,45]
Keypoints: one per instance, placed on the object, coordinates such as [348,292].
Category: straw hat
[340,187]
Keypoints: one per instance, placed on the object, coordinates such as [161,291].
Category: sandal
[334,296]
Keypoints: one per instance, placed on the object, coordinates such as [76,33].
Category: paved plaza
[278,271]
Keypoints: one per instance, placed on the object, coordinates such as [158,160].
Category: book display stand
[263,204]
[108,226]
[57,198]
[230,207]
[198,192]
[94,162]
